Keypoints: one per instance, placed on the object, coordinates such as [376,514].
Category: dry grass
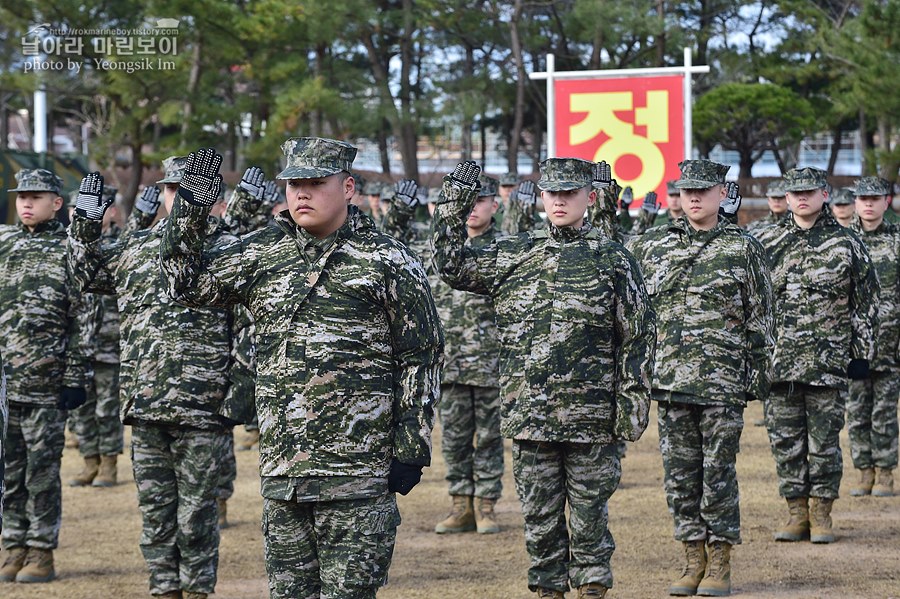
[99,557]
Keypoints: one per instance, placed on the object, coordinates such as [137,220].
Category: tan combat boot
[249,441]
[485,521]
[717,580]
[545,593]
[694,567]
[797,527]
[866,480]
[88,472]
[222,506]
[108,473]
[820,520]
[38,566]
[461,518]
[592,590]
[884,485]
[13,562]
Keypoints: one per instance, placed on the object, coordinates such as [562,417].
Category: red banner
[635,124]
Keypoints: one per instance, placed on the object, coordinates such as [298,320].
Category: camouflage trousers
[4,417]
[872,421]
[33,498]
[329,549]
[227,468]
[548,476]
[699,446]
[177,472]
[804,423]
[472,413]
[97,423]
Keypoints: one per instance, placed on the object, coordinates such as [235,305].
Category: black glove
[526,193]
[858,370]
[90,203]
[71,398]
[403,477]
[466,174]
[732,202]
[405,190]
[650,204]
[627,198]
[148,202]
[602,175]
[270,193]
[254,182]
[201,180]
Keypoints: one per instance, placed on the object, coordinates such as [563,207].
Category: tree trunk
[137,171]
[835,148]
[661,38]
[409,143]
[863,143]
[468,74]
[519,108]
[4,121]
[193,83]
[383,152]
[746,164]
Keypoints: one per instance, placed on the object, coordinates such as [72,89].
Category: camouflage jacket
[46,325]
[884,248]
[107,335]
[602,215]
[712,295]
[518,217]
[349,344]
[825,291]
[769,220]
[174,360]
[577,332]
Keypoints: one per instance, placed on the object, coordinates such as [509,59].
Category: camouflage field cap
[565,174]
[37,179]
[311,157]
[360,183]
[871,186]
[775,189]
[509,179]
[489,186]
[842,197]
[671,188]
[372,188]
[805,179]
[174,169]
[700,174]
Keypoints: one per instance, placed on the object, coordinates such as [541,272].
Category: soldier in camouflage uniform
[872,402]
[778,208]
[349,350]
[710,287]
[577,339]
[843,206]
[45,343]
[470,394]
[173,379]
[825,315]
[4,417]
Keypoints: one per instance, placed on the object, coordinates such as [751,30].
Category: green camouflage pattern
[174,360]
[509,179]
[699,446]
[872,421]
[32,499]
[769,220]
[106,339]
[46,325]
[349,344]
[176,471]
[701,174]
[871,186]
[244,213]
[489,186]
[842,197]
[775,189]
[805,179]
[329,550]
[518,217]
[825,288]
[37,179]
[549,477]
[712,295]
[671,188]
[472,413]
[97,423]
[311,157]
[4,419]
[173,169]
[227,466]
[563,174]
[577,332]
[804,423]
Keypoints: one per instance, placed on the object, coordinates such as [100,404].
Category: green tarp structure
[70,168]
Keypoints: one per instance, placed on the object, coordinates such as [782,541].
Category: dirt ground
[98,556]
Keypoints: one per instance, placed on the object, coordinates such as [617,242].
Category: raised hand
[90,203]
[732,202]
[201,181]
[526,194]
[466,174]
[148,202]
[650,204]
[254,182]
[627,198]
[405,190]
[602,177]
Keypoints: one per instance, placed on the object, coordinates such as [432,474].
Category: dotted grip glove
[732,202]
[602,176]
[405,191]
[201,181]
[90,203]
[148,202]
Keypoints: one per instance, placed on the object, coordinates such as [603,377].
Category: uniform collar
[569,233]
[51,226]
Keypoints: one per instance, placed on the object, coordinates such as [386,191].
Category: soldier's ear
[57,203]
[592,196]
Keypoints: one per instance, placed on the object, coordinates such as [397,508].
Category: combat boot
[485,521]
[545,593]
[249,441]
[717,580]
[694,567]
[461,518]
[797,527]
[193,595]
[222,506]
[866,480]
[169,595]
[88,472]
[15,559]
[884,486]
[592,590]
[820,520]
[108,473]
[38,566]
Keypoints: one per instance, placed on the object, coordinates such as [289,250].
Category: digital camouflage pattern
[173,169]
[562,297]
[470,412]
[509,179]
[805,179]
[489,186]
[701,174]
[547,477]
[310,157]
[775,188]
[699,446]
[97,423]
[825,288]
[563,174]
[872,186]
[329,550]
[37,179]
[872,421]
[769,220]
[842,197]
[712,295]
[4,419]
